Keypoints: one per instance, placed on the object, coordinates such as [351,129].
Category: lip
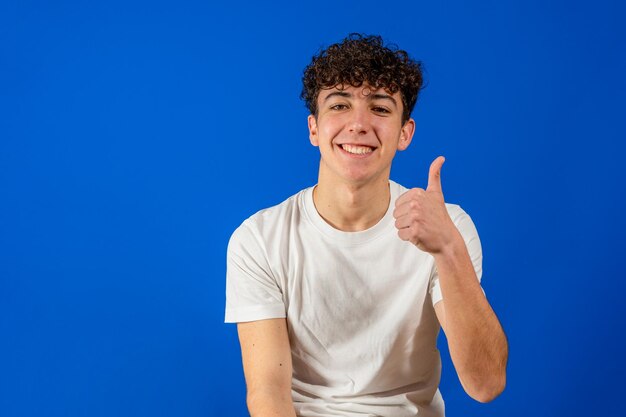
[353,155]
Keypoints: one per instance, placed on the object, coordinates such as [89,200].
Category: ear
[406,134]
[313,130]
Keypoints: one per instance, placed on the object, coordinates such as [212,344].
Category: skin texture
[352,194]
[266,357]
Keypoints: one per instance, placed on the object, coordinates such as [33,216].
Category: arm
[478,346]
[477,343]
[266,357]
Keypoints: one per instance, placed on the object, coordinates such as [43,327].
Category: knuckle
[416,192]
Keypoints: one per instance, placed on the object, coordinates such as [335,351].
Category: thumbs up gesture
[421,215]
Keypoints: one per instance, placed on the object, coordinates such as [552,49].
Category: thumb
[434,175]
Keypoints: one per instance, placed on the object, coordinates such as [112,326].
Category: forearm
[477,343]
[270,403]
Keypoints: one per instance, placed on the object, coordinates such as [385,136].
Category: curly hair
[362,59]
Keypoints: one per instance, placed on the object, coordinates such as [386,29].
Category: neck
[352,207]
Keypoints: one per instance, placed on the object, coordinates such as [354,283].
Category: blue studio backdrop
[136,136]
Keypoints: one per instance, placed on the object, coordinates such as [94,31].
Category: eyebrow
[378,96]
[374,96]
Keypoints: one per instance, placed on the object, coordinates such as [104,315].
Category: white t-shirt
[359,307]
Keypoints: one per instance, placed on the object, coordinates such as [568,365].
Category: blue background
[136,136]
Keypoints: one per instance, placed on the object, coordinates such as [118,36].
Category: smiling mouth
[357,149]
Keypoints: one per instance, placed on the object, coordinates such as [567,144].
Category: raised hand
[421,215]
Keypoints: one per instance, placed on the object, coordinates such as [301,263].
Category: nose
[359,122]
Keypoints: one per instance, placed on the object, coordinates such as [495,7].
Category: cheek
[329,131]
[387,133]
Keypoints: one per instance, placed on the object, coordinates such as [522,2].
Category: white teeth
[359,150]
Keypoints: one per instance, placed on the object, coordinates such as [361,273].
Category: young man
[339,292]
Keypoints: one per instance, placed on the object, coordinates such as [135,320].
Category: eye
[379,109]
[338,107]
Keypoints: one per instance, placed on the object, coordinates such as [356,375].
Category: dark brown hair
[362,59]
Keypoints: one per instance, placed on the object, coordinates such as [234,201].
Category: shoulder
[269,220]
[463,223]
[456,213]
[280,213]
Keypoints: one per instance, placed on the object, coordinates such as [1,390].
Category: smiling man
[340,291]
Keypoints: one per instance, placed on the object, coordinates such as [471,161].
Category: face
[358,131]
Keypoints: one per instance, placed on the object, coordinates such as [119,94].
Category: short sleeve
[466,227]
[252,293]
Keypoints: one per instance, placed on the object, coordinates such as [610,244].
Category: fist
[421,215]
